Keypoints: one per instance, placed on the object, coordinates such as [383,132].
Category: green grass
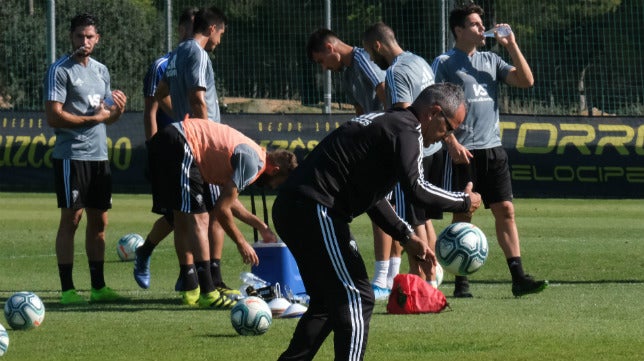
[592,251]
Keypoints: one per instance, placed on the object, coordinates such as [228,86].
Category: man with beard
[78,105]
[407,74]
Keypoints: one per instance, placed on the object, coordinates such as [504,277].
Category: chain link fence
[584,54]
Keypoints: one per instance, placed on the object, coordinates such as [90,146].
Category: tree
[130,40]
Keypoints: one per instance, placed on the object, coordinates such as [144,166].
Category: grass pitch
[592,251]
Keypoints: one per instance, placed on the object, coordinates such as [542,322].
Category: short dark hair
[286,160]
[317,40]
[379,32]
[206,17]
[187,16]
[457,15]
[83,20]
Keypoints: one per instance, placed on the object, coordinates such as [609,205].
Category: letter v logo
[479,90]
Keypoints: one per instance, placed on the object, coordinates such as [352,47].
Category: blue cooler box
[277,265]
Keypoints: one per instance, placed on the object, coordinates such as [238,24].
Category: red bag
[411,294]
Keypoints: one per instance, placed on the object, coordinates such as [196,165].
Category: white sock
[380,274]
[394,269]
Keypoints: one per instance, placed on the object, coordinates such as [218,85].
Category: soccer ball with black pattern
[24,310]
[461,248]
[127,245]
[251,316]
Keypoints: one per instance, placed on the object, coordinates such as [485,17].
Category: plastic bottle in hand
[503,31]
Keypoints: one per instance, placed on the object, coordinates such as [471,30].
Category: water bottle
[252,280]
[255,286]
[503,31]
[108,102]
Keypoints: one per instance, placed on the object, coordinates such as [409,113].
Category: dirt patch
[247,105]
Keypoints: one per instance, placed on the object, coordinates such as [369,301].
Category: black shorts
[433,167]
[83,183]
[489,171]
[176,181]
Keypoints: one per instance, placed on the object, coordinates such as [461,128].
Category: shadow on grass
[572,282]
[131,305]
[52,304]
[221,335]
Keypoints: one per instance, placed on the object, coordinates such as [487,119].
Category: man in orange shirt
[184,158]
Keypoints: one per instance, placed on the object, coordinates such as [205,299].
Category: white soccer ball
[127,245]
[461,248]
[251,316]
[24,310]
[4,340]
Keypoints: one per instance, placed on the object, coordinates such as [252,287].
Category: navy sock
[205,278]
[96,274]
[65,273]
[461,281]
[188,274]
[516,268]
[215,272]
[146,248]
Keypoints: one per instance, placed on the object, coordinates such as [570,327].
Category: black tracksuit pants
[335,277]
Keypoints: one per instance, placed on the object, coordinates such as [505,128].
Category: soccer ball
[127,245]
[461,248]
[24,310]
[251,316]
[4,340]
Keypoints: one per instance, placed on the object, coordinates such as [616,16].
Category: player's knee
[503,210]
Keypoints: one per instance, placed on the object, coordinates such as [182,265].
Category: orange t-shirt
[212,145]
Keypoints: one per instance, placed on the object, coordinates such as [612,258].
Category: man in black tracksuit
[350,172]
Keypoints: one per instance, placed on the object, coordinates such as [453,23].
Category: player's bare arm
[458,153]
[150,116]
[475,198]
[240,212]
[380,93]
[223,212]
[521,76]
[58,118]
[403,105]
[198,106]
[359,109]
[162,96]
[418,247]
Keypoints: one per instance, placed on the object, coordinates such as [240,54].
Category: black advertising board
[558,157]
